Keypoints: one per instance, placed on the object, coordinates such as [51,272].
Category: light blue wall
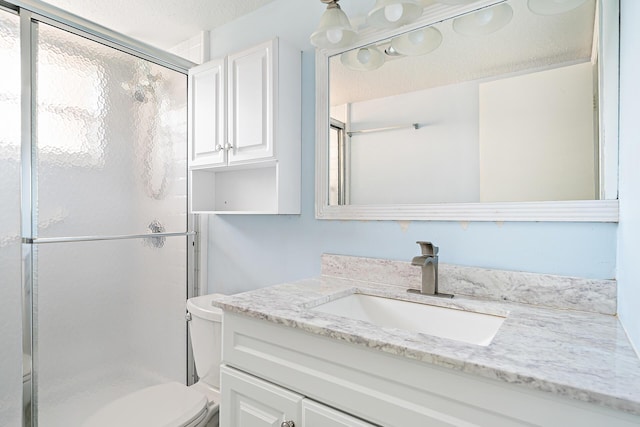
[629,230]
[247,252]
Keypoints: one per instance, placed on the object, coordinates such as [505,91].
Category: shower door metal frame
[31,11]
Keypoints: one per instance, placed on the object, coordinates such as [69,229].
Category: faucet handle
[428,248]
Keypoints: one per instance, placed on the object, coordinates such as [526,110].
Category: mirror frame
[603,210]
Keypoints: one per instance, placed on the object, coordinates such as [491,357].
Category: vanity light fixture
[364,59]
[484,21]
[334,30]
[553,7]
[417,42]
[394,13]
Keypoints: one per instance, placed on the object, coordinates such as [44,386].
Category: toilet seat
[165,405]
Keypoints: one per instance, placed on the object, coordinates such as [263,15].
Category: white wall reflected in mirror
[509,116]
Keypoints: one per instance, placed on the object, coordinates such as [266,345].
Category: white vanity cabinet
[252,402]
[327,382]
[244,132]
[315,414]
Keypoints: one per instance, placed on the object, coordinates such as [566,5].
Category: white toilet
[174,404]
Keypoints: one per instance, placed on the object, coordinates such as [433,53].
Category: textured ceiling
[528,42]
[161,23]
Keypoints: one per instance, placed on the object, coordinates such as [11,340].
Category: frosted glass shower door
[109,166]
[110,319]
[10,249]
[110,140]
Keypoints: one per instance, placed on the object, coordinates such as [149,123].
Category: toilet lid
[164,405]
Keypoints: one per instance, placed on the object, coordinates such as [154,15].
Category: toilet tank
[205,329]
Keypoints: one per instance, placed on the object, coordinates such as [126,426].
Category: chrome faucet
[428,262]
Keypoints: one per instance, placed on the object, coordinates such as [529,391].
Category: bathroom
[246,252]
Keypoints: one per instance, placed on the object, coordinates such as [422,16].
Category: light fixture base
[331,4]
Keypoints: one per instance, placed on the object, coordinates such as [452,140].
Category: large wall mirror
[454,119]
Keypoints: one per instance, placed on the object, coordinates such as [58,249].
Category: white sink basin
[467,326]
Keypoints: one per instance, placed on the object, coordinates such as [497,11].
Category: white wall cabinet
[251,402]
[244,132]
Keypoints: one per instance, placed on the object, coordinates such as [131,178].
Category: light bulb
[334,35]
[364,56]
[483,17]
[416,37]
[393,12]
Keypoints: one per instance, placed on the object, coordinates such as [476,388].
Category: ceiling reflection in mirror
[499,105]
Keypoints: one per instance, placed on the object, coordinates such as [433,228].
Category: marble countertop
[581,355]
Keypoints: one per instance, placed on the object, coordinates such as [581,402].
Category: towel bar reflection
[415,126]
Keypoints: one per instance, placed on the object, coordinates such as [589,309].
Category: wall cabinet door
[251,79]
[250,402]
[315,414]
[207,119]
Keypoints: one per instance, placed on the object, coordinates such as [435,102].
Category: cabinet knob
[218,148]
[228,146]
[288,424]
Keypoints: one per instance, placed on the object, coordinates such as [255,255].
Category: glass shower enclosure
[10,246]
[96,250]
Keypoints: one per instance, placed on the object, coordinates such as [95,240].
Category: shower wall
[10,248]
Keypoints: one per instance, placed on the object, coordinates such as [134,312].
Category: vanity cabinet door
[251,103]
[207,115]
[315,414]
[250,402]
